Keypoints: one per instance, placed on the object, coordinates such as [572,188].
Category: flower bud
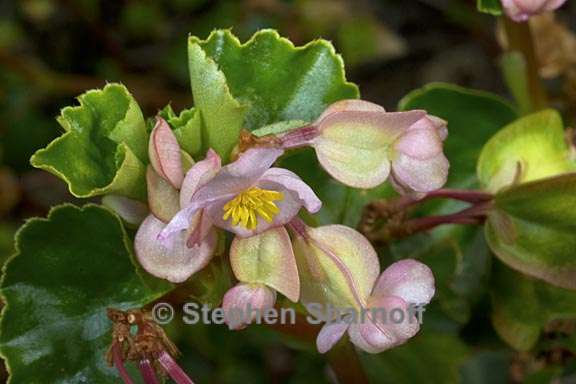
[164,152]
[521,10]
[244,303]
[418,161]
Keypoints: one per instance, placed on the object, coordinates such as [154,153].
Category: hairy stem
[519,36]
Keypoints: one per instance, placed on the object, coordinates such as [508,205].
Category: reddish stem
[119,364]
[473,215]
[173,369]
[147,372]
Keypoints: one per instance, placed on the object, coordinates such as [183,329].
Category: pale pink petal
[164,153]
[380,330]
[184,219]
[200,227]
[420,144]
[239,175]
[131,211]
[176,262]
[243,304]
[420,175]
[200,173]
[329,335]
[162,196]
[408,279]
[350,105]
[293,183]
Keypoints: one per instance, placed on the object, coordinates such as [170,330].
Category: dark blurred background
[53,50]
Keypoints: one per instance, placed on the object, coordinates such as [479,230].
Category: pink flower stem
[299,137]
[119,364]
[147,372]
[173,369]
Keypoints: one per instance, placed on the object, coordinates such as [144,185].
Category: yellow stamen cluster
[254,201]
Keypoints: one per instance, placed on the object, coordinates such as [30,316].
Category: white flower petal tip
[243,303]
[164,153]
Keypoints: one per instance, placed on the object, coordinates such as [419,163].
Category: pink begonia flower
[243,303]
[522,10]
[339,269]
[361,145]
[176,260]
[401,284]
[245,197]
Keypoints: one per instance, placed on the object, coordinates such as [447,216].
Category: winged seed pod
[339,267]
[361,145]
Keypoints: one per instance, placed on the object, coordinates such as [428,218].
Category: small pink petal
[293,183]
[420,144]
[200,173]
[241,174]
[131,211]
[350,105]
[420,175]
[408,279]
[200,227]
[175,262]
[243,303]
[164,152]
[378,332]
[329,335]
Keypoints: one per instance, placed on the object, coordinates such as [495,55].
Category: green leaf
[187,127]
[104,147]
[532,229]
[528,149]
[523,305]
[492,7]
[260,82]
[429,357]
[68,269]
[456,253]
